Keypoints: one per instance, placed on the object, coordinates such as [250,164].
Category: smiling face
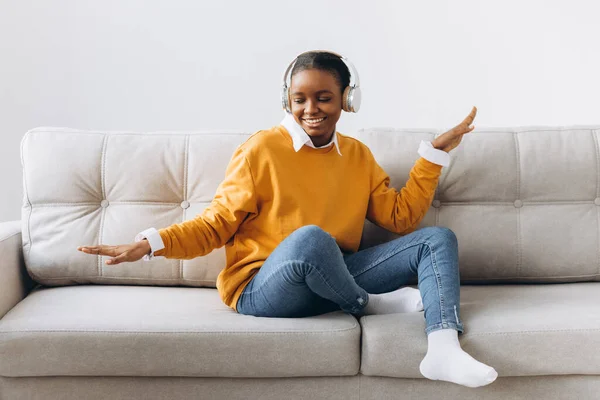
[316,103]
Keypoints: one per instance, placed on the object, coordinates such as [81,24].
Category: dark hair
[324,61]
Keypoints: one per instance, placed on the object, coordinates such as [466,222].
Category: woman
[290,212]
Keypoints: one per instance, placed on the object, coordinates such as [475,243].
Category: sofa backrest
[523,202]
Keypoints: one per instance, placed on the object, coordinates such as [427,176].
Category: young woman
[291,210]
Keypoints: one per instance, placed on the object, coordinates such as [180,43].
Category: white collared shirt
[299,139]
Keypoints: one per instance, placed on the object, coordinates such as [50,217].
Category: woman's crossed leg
[307,274]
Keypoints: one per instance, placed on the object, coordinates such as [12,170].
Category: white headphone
[350,98]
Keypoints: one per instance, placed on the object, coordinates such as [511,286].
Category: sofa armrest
[15,282]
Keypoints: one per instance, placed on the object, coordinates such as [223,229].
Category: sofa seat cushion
[519,330]
[113,330]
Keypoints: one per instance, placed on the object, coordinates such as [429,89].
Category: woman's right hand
[121,253]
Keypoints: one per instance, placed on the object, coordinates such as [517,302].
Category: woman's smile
[314,122]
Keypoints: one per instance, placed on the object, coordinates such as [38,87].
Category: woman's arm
[235,198]
[401,212]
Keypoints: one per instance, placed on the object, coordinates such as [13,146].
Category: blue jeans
[308,274]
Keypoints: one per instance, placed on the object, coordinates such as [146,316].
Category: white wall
[196,65]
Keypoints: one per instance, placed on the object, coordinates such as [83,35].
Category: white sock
[447,361]
[402,300]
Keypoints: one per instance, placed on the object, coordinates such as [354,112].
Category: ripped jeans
[307,274]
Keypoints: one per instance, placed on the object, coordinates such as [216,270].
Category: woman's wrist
[436,146]
[146,245]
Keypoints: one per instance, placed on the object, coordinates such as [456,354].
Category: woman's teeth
[314,121]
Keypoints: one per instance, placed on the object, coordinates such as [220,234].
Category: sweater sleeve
[235,198]
[401,212]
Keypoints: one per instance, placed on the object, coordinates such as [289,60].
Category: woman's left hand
[452,138]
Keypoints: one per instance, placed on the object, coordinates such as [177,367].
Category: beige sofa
[523,202]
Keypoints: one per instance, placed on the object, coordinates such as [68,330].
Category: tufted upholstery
[84,188]
[524,203]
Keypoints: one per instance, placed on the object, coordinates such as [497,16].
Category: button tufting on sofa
[104,203]
[185,204]
[436,203]
[518,203]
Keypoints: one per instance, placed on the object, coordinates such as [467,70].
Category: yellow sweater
[270,190]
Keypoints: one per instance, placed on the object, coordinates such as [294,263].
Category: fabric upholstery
[106,330]
[581,387]
[14,281]
[68,176]
[357,387]
[504,195]
[524,203]
[520,330]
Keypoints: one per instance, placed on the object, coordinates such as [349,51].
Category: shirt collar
[301,138]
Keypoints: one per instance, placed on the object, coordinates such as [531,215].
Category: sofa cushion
[108,330]
[519,330]
[88,188]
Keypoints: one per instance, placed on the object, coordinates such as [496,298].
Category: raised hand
[452,138]
[121,253]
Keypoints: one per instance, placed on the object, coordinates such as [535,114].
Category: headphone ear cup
[356,99]
[351,99]
[288,97]
[285,99]
[345,99]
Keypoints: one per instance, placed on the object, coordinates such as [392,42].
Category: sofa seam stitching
[65,130]
[551,130]
[363,329]
[103,189]
[359,380]
[518,165]
[170,332]
[466,279]
[90,204]
[27,134]
[533,277]
[532,332]
[597,148]
[125,278]
[185,177]
[336,330]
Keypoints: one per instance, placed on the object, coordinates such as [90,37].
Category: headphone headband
[354,82]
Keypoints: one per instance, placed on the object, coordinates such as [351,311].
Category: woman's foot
[447,361]
[403,300]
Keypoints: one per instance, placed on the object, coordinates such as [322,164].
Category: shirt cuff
[154,239]
[436,156]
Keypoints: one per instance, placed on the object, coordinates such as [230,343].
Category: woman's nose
[311,107]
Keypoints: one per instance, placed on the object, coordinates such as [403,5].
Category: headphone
[350,98]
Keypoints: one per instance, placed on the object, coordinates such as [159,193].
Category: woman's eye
[322,99]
